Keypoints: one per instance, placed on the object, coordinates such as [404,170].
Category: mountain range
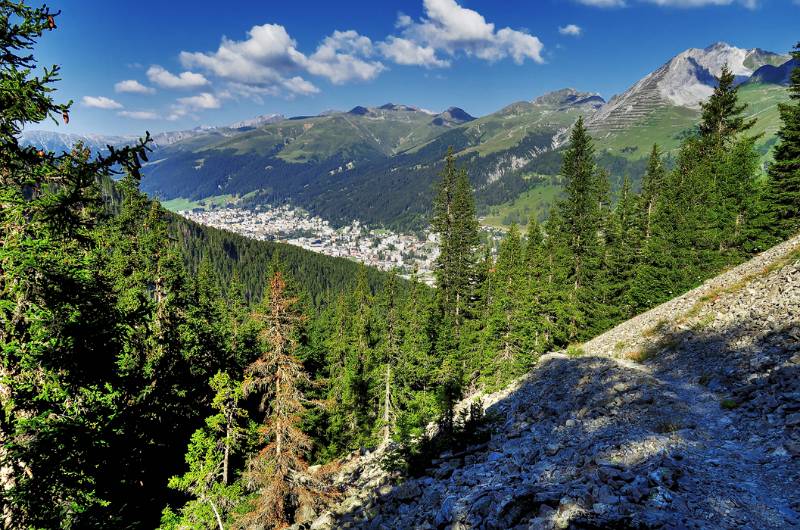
[378,164]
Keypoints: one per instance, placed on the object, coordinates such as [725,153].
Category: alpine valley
[378,164]
[571,313]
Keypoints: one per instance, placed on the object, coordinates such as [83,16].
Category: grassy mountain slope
[379,164]
[668,125]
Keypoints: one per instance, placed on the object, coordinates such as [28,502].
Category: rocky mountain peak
[452,116]
[570,97]
[258,121]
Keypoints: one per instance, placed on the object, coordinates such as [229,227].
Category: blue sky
[156,65]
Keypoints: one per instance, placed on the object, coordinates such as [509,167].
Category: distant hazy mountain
[60,142]
[258,121]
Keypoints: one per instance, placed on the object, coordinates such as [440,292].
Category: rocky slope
[687,416]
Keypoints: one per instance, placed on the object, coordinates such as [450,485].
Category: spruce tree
[623,251]
[653,183]
[783,196]
[208,479]
[582,215]
[278,473]
[455,222]
[389,354]
[722,115]
[417,364]
[507,352]
[57,312]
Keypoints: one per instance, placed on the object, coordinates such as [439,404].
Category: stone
[793,419]
[325,522]
[407,491]
[445,513]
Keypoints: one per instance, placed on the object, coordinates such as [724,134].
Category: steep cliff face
[687,416]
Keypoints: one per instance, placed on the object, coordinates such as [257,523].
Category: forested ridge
[239,260]
[157,373]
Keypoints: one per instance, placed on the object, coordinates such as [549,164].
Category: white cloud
[342,57]
[268,61]
[570,29]
[133,86]
[101,102]
[163,78]
[203,101]
[139,114]
[407,52]
[451,29]
[298,85]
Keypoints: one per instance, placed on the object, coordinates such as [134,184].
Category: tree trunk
[386,405]
[226,457]
[216,513]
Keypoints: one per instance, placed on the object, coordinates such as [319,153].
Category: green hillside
[378,164]
[668,125]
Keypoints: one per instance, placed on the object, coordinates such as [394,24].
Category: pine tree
[208,479]
[417,364]
[559,309]
[783,196]
[582,217]
[505,341]
[278,473]
[653,183]
[388,355]
[623,250]
[57,316]
[360,396]
[722,115]
[455,222]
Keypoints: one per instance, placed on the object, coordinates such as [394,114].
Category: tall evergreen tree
[57,314]
[278,473]
[653,183]
[455,222]
[722,115]
[582,217]
[783,197]
[623,250]
[417,364]
[507,351]
[388,356]
[208,479]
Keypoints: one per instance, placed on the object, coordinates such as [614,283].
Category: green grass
[667,125]
[575,350]
[176,205]
[664,127]
[534,202]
